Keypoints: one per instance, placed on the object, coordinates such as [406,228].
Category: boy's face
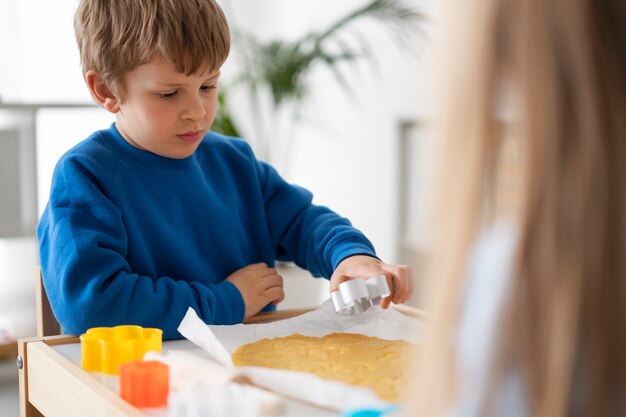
[164,111]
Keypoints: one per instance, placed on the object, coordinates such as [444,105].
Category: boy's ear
[101,92]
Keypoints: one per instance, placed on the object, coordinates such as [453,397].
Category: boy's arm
[321,241]
[314,237]
[88,280]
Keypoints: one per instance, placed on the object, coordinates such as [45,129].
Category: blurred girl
[530,308]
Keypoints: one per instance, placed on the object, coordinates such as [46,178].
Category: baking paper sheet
[221,341]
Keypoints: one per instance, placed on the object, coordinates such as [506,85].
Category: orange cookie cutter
[145,383]
[104,349]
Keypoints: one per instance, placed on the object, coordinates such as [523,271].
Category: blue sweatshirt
[130,237]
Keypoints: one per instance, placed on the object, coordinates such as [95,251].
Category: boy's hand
[399,277]
[259,285]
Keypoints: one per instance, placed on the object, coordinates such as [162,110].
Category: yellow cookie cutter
[104,349]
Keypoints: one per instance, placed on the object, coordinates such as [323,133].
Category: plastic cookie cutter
[357,295]
[104,349]
[145,383]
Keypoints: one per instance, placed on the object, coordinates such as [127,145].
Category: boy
[156,213]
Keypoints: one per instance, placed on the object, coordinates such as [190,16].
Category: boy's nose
[194,110]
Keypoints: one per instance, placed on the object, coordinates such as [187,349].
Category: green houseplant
[280,69]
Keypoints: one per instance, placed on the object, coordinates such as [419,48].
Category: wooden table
[53,384]
[8,349]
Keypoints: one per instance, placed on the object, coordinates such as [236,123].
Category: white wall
[8,49]
[38,57]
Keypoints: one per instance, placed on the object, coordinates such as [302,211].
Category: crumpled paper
[221,341]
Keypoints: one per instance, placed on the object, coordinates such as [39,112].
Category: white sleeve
[484,298]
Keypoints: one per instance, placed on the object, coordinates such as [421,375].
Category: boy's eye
[168,95]
[206,88]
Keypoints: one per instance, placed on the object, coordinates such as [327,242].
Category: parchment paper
[221,341]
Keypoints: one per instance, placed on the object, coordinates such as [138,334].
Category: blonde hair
[115,36]
[565,323]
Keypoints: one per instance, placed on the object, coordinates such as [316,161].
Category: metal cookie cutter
[357,295]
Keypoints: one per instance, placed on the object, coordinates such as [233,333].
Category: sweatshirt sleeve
[83,248]
[314,237]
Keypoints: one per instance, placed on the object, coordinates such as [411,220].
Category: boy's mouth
[191,137]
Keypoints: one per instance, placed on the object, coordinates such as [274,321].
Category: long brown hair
[565,322]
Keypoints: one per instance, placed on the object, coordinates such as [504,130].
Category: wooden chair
[47,324]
